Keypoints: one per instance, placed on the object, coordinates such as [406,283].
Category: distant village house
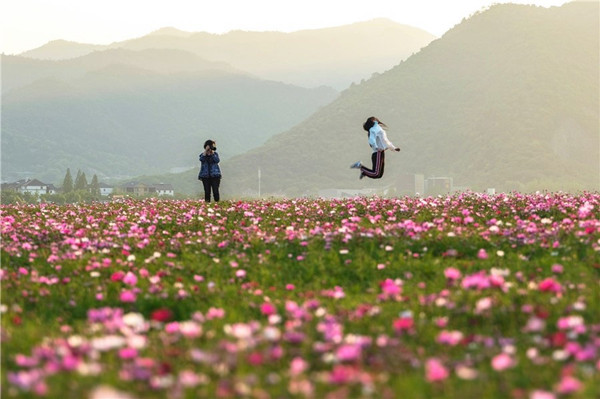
[105,189]
[31,186]
[140,189]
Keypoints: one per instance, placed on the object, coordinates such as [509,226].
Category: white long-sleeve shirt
[378,139]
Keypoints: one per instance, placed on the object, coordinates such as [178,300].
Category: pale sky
[27,24]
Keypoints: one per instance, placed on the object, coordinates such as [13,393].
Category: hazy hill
[332,56]
[139,113]
[62,49]
[507,99]
[18,71]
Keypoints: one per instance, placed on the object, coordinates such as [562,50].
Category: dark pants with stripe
[211,183]
[378,159]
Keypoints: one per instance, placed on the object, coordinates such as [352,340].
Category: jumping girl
[379,143]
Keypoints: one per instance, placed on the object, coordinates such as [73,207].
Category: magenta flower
[117,276]
[342,374]
[348,352]
[452,273]
[127,296]
[451,338]
[389,287]
[550,285]
[172,327]
[568,385]
[128,353]
[268,309]
[435,370]
[130,279]
[557,268]
[403,324]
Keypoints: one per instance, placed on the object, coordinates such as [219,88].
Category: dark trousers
[378,159]
[211,183]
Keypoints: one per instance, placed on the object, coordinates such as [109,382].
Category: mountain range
[335,56]
[507,99]
[145,106]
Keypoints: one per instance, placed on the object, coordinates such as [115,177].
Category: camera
[213,148]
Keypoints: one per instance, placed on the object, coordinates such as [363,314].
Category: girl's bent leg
[377,158]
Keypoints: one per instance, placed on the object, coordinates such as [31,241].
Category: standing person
[379,142]
[210,172]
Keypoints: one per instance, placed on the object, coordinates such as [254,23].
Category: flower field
[465,296]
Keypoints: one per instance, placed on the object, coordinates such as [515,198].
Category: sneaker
[361,175]
[356,165]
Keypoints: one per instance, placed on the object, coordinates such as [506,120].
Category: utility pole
[259,182]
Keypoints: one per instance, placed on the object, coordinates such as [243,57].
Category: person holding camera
[210,172]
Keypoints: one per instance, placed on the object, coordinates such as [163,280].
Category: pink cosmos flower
[557,268]
[127,296]
[215,313]
[268,309]
[298,366]
[403,324]
[435,370]
[389,288]
[478,280]
[117,276]
[483,304]
[568,385]
[172,328]
[539,394]
[162,315]
[482,254]
[451,338]
[452,273]
[550,285]
[189,379]
[130,279]
[128,353]
[190,329]
[342,374]
[348,352]
[240,273]
[502,362]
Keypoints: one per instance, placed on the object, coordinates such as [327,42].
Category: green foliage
[80,181]
[68,182]
[95,186]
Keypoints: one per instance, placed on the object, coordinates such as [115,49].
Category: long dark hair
[370,122]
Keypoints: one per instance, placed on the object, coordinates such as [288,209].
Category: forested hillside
[129,117]
[507,99]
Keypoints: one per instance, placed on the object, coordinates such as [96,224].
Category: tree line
[72,191]
[80,183]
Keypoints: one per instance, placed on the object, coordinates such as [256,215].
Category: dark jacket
[209,166]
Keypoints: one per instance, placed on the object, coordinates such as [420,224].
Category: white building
[105,189]
[163,189]
[31,186]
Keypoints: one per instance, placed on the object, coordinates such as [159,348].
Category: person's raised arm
[387,141]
